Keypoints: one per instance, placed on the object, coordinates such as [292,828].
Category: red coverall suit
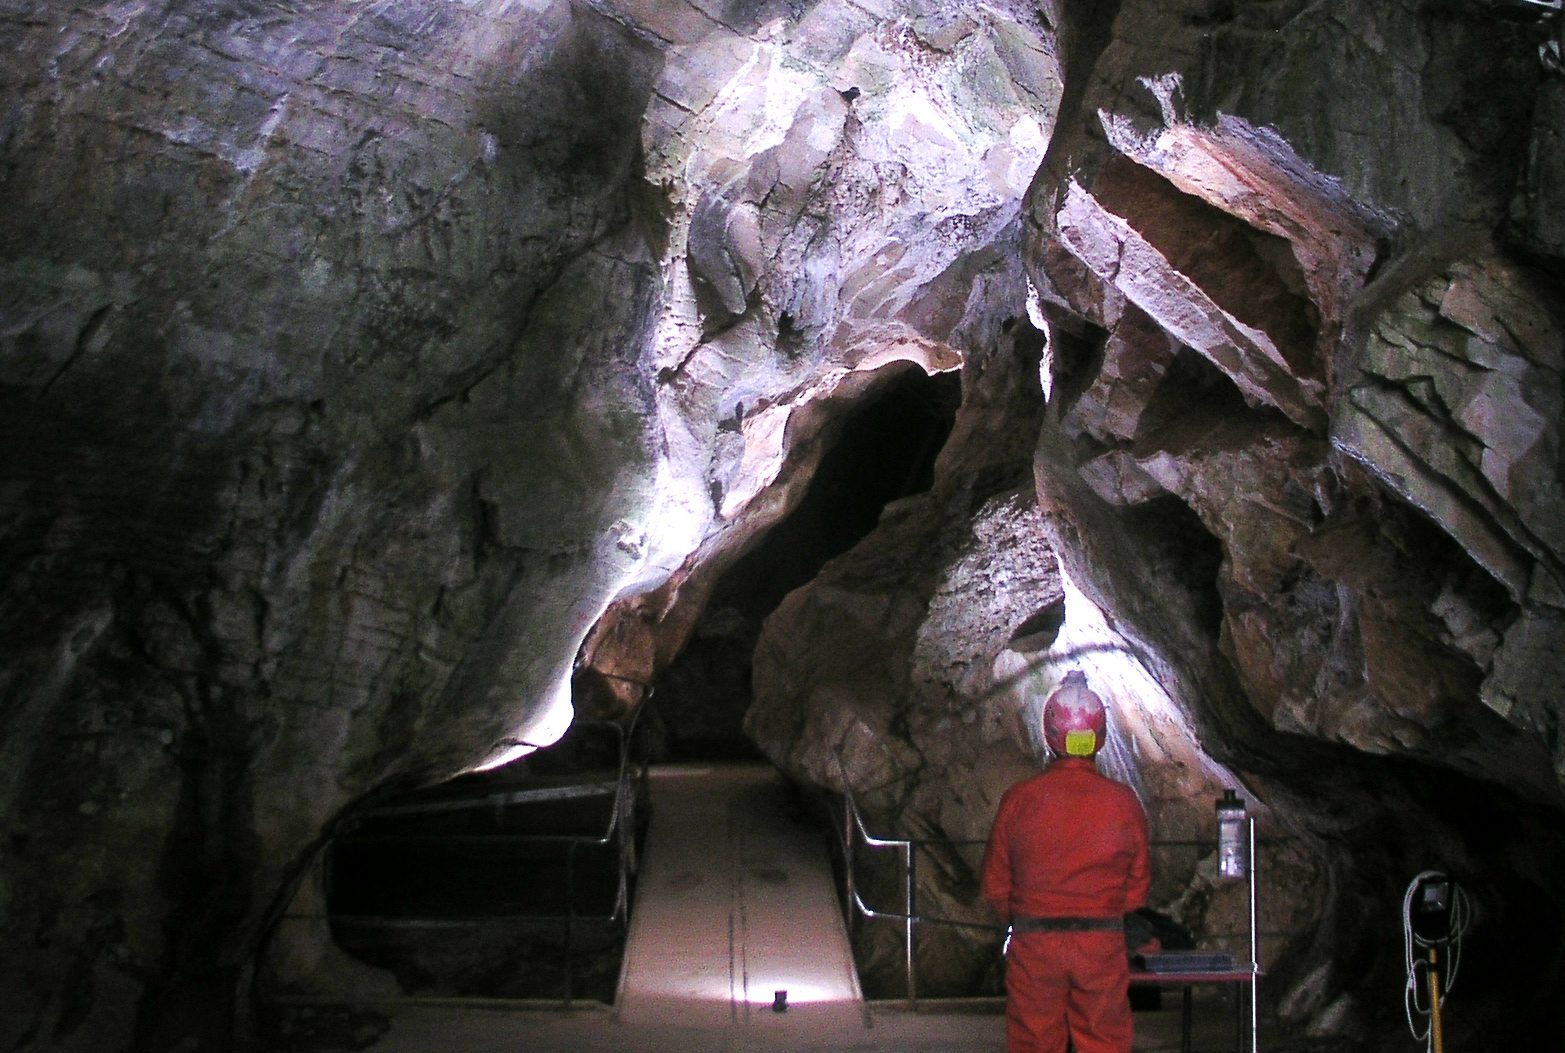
[1069,843]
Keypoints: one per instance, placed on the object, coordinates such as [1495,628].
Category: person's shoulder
[1127,796]
[1023,787]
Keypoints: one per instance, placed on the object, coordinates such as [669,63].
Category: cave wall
[1299,467]
[272,282]
[1301,284]
[365,369]
[356,357]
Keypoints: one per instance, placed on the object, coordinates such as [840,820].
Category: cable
[1418,966]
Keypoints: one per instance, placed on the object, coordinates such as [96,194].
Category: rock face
[1301,338]
[355,360]
[271,284]
[367,372]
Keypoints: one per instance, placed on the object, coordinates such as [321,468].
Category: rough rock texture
[910,672]
[355,358]
[367,370]
[1335,355]
[297,309]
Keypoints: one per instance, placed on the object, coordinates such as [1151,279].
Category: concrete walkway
[734,903]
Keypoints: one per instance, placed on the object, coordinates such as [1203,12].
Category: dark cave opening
[884,450]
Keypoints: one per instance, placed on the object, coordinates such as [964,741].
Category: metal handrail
[906,844]
[853,821]
[621,825]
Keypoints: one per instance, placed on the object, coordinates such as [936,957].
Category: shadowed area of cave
[466,889]
[424,856]
[388,390]
[885,450]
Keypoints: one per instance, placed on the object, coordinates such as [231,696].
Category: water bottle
[1230,836]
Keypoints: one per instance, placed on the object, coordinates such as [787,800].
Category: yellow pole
[1435,1034]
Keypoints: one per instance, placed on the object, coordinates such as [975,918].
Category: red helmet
[1075,722]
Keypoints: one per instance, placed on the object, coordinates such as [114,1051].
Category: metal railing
[620,831]
[855,832]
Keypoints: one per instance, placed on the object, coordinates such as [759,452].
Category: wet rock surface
[367,374]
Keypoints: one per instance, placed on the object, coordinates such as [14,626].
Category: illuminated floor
[735,904]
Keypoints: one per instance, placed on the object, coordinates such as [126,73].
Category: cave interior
[409,412]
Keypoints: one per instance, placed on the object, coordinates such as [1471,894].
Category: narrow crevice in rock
[884,451]
[1182,552]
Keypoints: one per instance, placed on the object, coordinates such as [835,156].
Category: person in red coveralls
[1066,860]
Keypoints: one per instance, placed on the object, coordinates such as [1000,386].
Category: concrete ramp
[734,903]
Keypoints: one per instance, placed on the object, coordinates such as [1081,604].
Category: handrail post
[910,924]
[622,819]
[1255,953]
[847,857]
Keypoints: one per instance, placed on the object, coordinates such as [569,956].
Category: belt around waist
[1115,924]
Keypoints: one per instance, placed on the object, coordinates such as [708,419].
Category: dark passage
[885,450]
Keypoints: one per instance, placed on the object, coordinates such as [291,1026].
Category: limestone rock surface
[356,359]
[371,373]
[1293,340]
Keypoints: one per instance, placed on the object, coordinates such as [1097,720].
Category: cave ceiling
[373,376]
